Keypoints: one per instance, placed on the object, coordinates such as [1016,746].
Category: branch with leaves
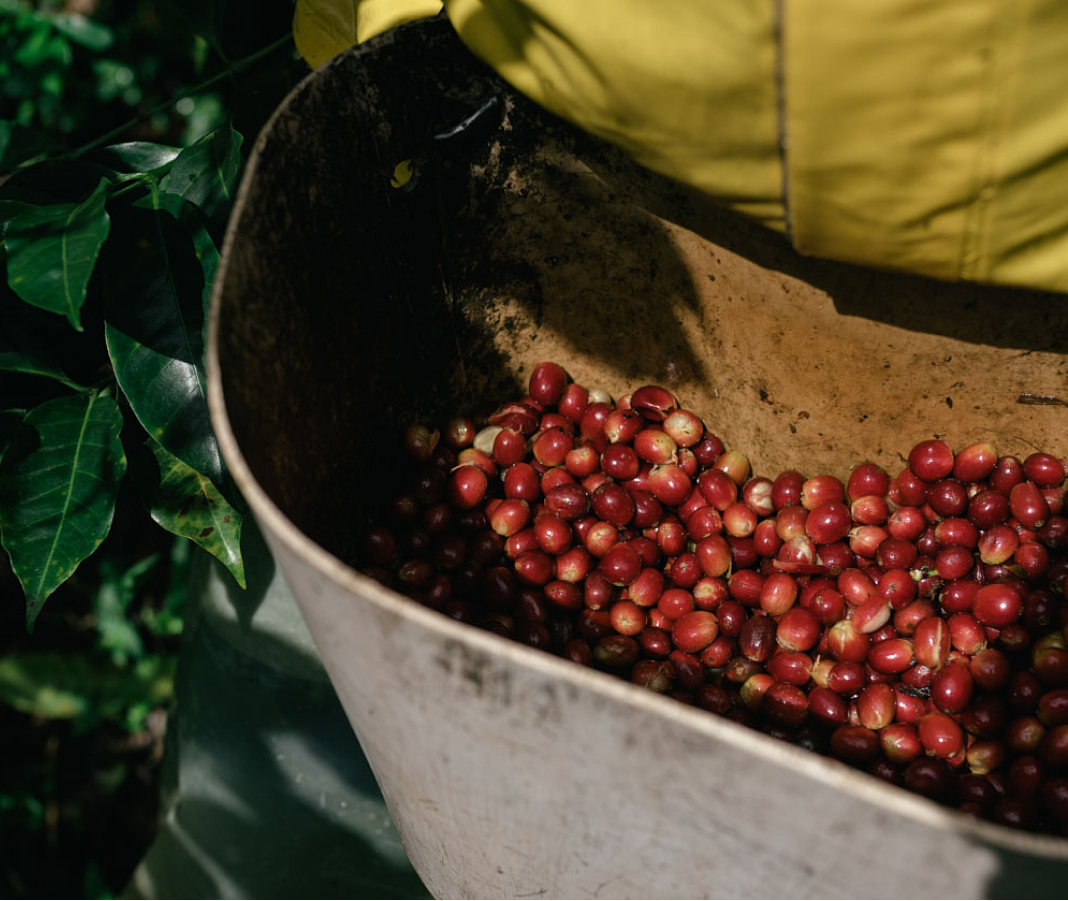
[109,259]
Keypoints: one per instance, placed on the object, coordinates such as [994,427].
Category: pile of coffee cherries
[911,624]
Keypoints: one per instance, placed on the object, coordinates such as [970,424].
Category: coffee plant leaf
[59,479]
[154,319]
[52,251]
[206,173]
[186,503]
[206,252]
[135,157]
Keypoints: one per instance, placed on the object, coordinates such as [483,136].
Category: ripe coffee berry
[911,622]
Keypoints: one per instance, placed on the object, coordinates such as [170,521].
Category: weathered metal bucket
[346,306]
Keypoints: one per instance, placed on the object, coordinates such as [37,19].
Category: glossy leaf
[186,503]
[135,156]
[206,173]
[59,478]
[52,251]
[185,213]
[154,327]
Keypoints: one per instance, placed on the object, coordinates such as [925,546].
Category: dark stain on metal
[477,671]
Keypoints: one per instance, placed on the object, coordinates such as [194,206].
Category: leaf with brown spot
[155,309]
[188,503]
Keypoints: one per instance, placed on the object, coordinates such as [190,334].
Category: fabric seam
[973,262]
[778,26]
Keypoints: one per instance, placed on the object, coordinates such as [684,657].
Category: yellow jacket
[922,135]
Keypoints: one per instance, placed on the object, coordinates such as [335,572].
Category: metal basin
[347,306]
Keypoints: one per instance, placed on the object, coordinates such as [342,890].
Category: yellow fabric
[324,28]
[923,135]
[687,87]
[375,16]
[1026,235]
[931,137]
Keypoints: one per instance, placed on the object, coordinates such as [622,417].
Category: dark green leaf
[52,251]
[59,478]
[206,252]
[206,172]
[154,326]
[136,156]
[62,685]
[83,30]
[186,503]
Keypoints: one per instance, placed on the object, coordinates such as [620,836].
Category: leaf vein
[70,486]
